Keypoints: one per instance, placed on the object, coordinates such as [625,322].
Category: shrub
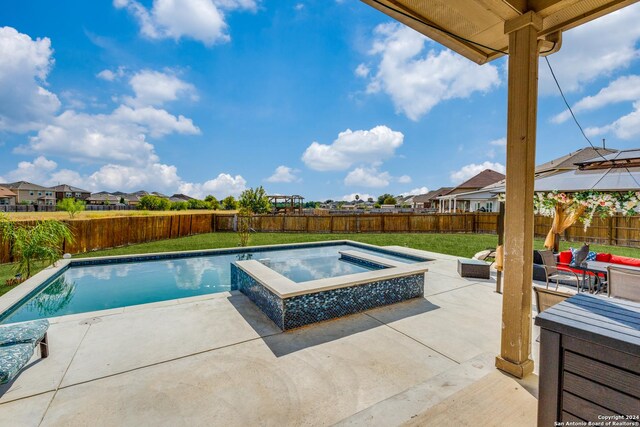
[154,203]
[213,202]
[389,201]
[385,196]
[71,206]
[255,201]
[244,226]
[229,203]
[198,204]
[33,244]
[179,206]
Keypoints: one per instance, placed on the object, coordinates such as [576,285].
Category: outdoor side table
[474,268]
[589,360]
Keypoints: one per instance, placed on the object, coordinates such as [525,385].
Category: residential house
[28,193]
[583,169]
[64,191]
[103,198]
[7,197]
[429,201]
[465,197]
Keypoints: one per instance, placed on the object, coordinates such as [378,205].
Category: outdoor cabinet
[589,361]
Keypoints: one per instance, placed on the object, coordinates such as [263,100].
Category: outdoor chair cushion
[625,260]
[602,257]
[565,257]
[12,359]
[24,332]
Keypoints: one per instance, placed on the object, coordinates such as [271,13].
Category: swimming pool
[99,284]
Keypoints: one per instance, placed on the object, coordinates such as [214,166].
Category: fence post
[331,223]
[409,223]
[382,223]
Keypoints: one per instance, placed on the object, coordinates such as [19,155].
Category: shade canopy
[476,28]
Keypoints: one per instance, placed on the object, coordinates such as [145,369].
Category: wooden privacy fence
[110,232]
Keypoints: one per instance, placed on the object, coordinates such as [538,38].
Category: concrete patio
[217,360]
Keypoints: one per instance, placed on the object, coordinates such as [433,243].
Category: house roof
[103,196]
[69,189]
[179,197]
[5,192]
[432,194]
[481,180]
[24,185]
[570,161]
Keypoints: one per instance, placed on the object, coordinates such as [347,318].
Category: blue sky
[322,98]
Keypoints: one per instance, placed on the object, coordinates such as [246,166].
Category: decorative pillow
[565,257]
[591,256]
[579,255]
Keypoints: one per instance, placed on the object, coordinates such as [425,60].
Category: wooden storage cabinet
[589,361]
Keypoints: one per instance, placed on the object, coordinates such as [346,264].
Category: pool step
[413,402]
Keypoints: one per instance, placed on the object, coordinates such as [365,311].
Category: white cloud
[201,20]
[36,171]
[598,48]
[110,76]
[152,175]
[416,191]
[470,170]
[362,197]
[623,89]
[361,146]
[299,6]
[283,174]
[222,186]
[500,142]
[368,177]
[626,127]
[25,104]
[155,88]
[362,71]
[417,80]
[119,136]
[404,179]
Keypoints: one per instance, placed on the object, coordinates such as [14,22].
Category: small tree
[255,200]
[179,206]
[357,197]
[383,197]
[370,200]
[36,244]
[229,203]
[389,201]
[244,226]
[154,203]
[71,206]
[213,202]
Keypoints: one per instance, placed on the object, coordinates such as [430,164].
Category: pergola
[483,30]
[286,204]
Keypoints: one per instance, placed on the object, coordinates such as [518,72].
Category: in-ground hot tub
[290,304]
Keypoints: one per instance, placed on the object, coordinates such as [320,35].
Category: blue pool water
[98,287]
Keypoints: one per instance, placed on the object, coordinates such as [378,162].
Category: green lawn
[453,244]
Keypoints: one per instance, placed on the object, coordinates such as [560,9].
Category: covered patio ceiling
[476,28]
[483,30]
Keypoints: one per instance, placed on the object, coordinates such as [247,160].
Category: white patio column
[521,149]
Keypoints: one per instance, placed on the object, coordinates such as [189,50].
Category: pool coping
[22,291]
[284,287]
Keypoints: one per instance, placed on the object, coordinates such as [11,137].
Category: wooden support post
[521,155]
[500,232]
